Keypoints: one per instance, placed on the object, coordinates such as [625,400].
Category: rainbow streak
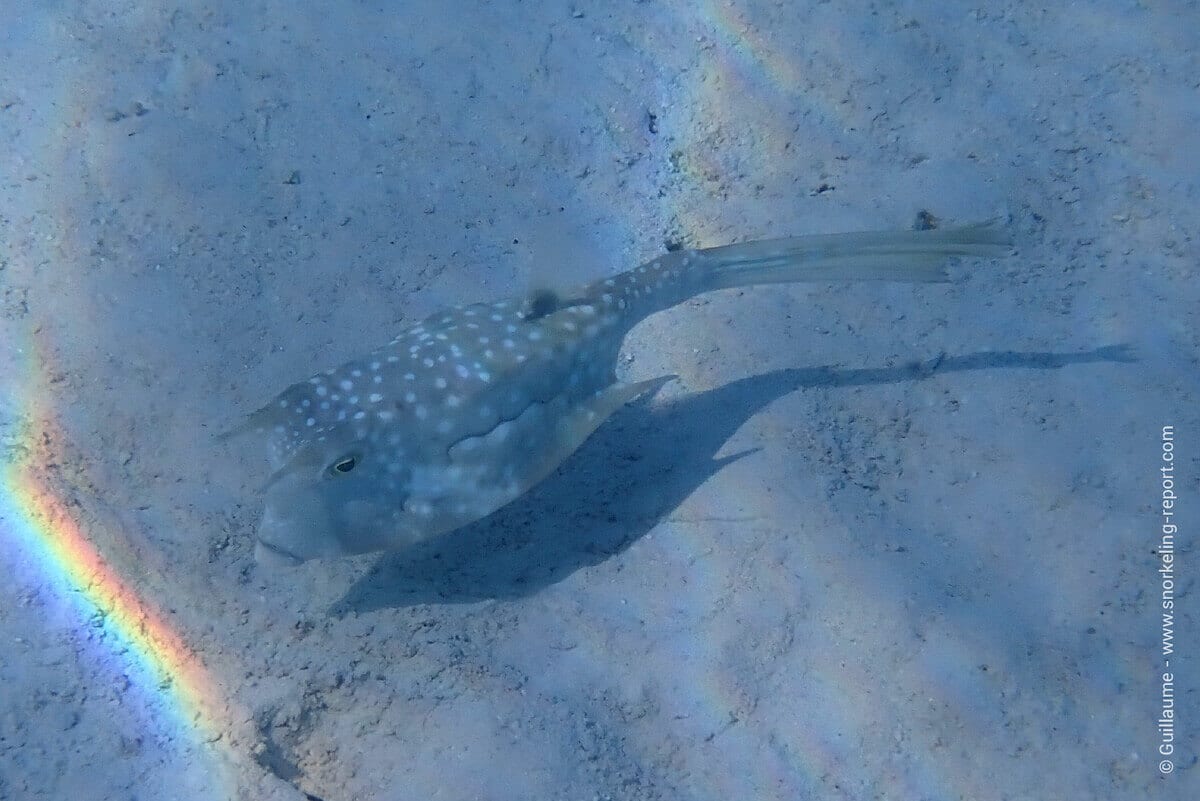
[44,538]
[743,72]
[749,55]
[741,75]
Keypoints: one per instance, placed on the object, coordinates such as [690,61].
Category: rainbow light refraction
[43,538]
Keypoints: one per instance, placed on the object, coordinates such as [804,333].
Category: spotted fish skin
[467,410]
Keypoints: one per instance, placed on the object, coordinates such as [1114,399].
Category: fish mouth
[271,555]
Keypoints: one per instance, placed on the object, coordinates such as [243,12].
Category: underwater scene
[649,400]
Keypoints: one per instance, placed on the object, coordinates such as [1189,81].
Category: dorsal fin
[544,302]
[539,303]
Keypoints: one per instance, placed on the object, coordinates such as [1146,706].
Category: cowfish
[468,409]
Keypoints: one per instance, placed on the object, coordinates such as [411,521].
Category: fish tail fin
[909,256]
[913,256]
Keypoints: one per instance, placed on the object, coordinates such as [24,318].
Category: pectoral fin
[579,425]
[520,453]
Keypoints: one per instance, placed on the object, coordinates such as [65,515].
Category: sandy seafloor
[878,541]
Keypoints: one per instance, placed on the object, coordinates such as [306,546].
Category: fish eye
[343,465]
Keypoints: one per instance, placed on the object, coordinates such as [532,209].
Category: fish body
[467,410]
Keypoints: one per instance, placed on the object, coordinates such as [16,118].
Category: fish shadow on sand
[626,478]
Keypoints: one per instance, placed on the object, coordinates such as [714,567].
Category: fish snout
[294,529]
